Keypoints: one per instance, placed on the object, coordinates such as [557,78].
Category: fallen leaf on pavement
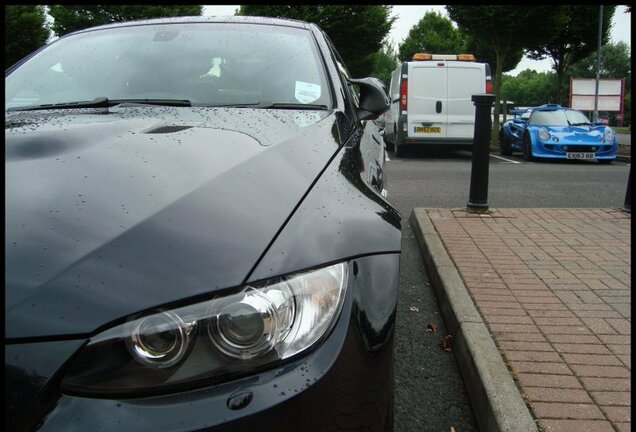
[414,309]
[445,343]
[452,429]
[431,328]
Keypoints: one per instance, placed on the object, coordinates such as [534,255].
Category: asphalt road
[430,394]
[442,179]
[624,139]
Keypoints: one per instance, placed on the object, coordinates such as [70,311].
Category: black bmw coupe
[197,235]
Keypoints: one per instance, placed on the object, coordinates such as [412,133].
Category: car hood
[113,211]
[576,134]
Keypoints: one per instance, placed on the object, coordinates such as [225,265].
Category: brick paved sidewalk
[553,286]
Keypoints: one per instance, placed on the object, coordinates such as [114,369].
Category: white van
[431,100]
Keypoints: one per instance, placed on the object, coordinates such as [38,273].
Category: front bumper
[561,149]
[345,383]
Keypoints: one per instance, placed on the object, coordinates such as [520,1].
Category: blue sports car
[555,132]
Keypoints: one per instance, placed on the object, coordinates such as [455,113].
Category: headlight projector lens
[160,340]
[247,328]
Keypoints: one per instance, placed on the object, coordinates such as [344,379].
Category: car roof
[204,19]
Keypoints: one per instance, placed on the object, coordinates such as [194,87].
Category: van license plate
[580,155]
[428,129]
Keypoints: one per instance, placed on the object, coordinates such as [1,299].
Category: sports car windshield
[558,118]
[206,64]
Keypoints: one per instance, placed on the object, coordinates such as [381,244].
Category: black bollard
[478,199]
[627,205]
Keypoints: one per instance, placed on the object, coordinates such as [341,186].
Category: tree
[573,37]
[434,34]
[529,88]
[69,18]
[25,31]
[356,31]
[483,53]
[616,62]
[386,60]
[504,30]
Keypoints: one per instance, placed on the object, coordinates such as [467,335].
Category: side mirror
[373,98]
[597,123]
[519,120]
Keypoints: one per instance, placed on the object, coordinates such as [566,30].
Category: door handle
[438,107]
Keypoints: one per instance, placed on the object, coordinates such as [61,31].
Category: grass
[625,130]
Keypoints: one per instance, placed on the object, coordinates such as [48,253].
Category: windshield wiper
[294,106]
[269,105]
[102,102]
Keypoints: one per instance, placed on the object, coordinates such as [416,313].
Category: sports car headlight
[544,135]
[213,340]
[608,135]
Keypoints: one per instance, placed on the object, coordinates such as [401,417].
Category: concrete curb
[496,401]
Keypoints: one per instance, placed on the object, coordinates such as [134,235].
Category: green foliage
[356,31]
[69,18]
[573,36]
[25,31]
[483,53]
[386,60]
[616,62]
[433,34]
[503,30]
[529,88]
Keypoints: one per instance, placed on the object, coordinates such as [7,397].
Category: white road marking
[507,160]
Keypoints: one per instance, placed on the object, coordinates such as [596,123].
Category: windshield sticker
[307,92]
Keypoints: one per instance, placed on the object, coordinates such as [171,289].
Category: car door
[465,79]
[427,99]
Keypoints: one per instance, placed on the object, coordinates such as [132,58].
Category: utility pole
[598,60]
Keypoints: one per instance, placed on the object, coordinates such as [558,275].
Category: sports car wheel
[504,147]
[527,148]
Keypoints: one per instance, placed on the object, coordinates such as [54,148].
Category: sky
[408,16]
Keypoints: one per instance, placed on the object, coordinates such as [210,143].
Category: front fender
[342,217]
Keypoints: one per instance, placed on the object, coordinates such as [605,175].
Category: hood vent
[167,129]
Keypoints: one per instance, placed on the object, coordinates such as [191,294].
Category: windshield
[558,118]
[209,64]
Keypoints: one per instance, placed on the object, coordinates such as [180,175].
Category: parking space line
[507,160]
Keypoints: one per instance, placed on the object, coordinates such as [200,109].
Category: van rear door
[427,96]
[465,79]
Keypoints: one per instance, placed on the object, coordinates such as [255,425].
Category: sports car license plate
[580,155]
[428,129]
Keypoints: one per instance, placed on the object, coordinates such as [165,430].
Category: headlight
[159,340]
[212,340]
[608,135]
[544,135]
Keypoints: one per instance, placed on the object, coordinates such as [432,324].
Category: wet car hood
[113,211]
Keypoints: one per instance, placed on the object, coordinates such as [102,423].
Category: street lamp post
[598,60]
